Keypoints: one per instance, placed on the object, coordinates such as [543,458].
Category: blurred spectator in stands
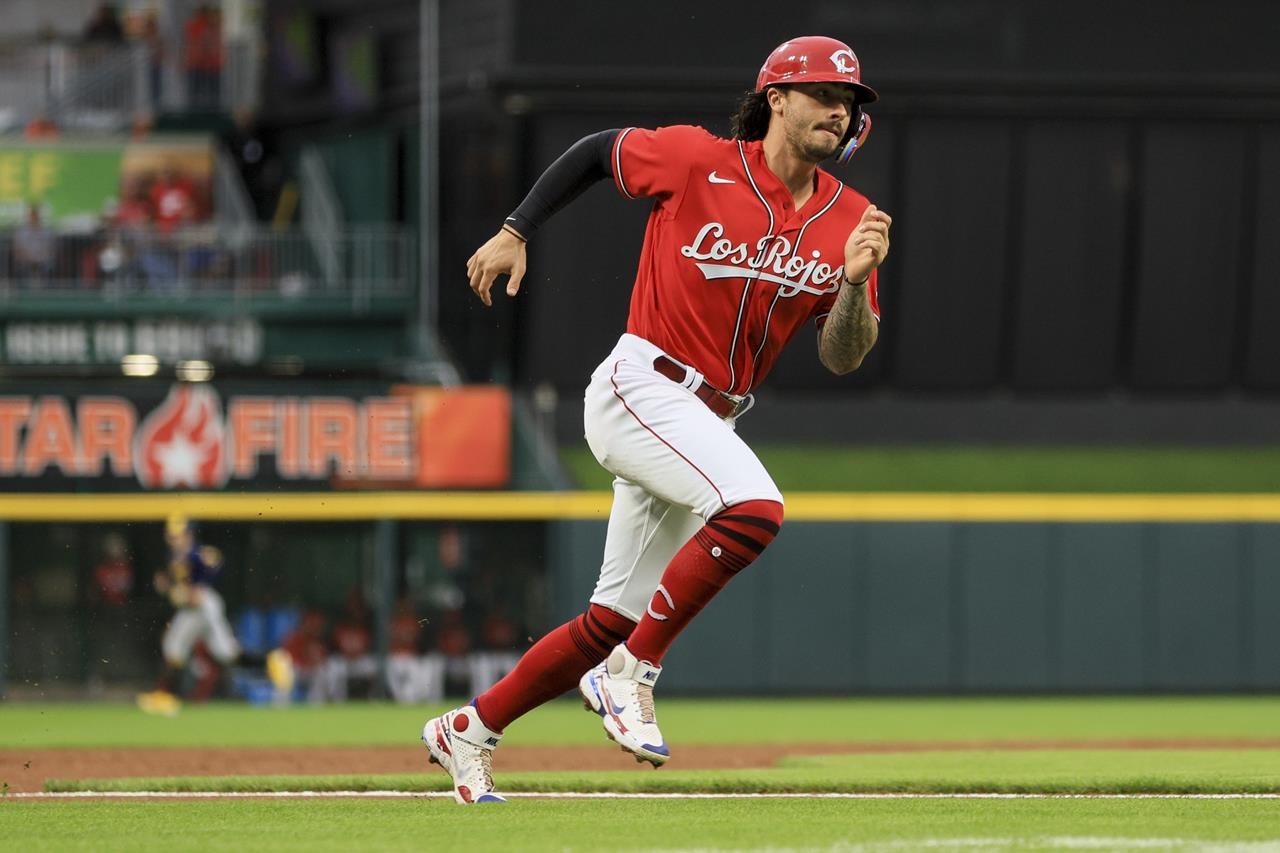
[151,38]
[352,657]
[453,642]
[405,634]
[108,262]
[112,638]
[202,44]
[173,205]
[173,199]
[113,576]
[40,127]
[104,25]
[34,246]
[307,648]
[134,210]
[111,260]
[499,636]
[499,631]
[407,678]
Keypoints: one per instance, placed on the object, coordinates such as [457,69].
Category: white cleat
[463,746]
[622,694]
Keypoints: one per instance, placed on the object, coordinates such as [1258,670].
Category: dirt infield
[27,770]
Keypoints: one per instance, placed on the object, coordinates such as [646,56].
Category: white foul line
[607,795]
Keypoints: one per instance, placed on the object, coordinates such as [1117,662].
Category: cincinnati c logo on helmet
[844,61]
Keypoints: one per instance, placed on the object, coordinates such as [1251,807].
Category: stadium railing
[244,263]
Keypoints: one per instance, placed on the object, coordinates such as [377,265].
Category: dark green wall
[841,607]
[362,167]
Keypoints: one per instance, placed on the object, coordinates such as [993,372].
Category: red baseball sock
[553,665]
[726,545]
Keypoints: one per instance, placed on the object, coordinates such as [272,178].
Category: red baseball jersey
[730,271]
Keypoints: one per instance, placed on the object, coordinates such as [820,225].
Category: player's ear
[775,96]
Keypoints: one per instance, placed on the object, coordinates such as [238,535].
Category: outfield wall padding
[976,607]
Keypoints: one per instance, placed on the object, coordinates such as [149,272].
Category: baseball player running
[746,242]
[188,583]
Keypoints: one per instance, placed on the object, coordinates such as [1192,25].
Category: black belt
[717,401]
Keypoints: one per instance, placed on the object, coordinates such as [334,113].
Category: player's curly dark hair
[752,118]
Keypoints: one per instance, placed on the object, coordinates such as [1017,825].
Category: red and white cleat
[463,746]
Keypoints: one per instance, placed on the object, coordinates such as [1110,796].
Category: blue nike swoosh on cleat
[595,691]
[660,749]
[490,798]
[607,702]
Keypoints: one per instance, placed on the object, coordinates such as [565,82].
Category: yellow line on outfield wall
[960,506]
[308,506]
[534,506]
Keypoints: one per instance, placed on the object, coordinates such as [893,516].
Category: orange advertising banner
[196,437]
[463,436]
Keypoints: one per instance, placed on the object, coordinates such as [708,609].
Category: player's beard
[809,142]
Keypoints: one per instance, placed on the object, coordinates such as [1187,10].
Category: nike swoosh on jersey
[716,179]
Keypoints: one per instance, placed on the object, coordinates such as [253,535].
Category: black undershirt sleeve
[586,162]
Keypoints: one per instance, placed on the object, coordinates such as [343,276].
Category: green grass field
[892,468]
[696,721]
[809,823]
[777,825]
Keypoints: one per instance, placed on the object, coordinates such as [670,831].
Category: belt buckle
[735,406]
[740,406]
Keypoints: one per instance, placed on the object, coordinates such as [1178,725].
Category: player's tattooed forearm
[850,331]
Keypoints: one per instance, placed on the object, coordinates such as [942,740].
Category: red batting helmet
[814,59]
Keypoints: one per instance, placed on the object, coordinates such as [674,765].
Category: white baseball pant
[676,464]
[205,620]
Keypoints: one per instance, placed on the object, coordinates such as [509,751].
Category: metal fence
[81,87]
[108,87]
[243,263]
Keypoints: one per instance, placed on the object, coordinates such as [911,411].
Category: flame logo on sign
[844,61]
[182,443]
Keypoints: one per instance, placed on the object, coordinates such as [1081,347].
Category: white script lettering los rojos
[772,262]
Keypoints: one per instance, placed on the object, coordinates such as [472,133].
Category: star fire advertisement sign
[195,439]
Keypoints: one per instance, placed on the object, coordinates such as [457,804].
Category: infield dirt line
[27,770]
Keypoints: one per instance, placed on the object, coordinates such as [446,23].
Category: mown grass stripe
[1232,721]
[777,781]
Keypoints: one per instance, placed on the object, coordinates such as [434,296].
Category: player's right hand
[503,254]
[867,245]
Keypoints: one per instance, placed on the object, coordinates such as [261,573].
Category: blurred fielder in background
[748,240]
[200,614]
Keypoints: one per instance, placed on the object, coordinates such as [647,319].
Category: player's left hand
[868,244]
[503,254]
